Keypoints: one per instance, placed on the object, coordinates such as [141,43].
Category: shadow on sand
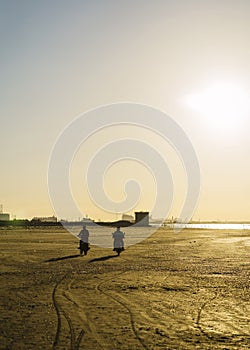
[63,258]
[103,258]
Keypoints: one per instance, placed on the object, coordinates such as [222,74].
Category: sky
[187,58]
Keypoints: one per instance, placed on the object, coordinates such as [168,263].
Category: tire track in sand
[89,326]
[228,324]
[74,342]
[200,310]
[59,320]
[131,316]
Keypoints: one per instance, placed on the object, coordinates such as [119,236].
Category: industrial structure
[142,218]
[4,216]
[45,219]
[127,217]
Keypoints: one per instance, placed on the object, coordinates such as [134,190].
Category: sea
[211,226]
[102,236]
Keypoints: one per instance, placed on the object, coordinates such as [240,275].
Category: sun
[224,105]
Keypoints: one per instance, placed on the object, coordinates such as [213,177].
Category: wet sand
[189,290]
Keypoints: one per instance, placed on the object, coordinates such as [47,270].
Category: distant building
[127,217]
[87,221]
[45,219]
[142,218]
[4,217]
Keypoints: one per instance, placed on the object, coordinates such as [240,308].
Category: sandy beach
[172,291]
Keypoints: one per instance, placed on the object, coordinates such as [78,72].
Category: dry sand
[173,291]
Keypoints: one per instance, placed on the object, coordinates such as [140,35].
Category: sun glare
[223,105]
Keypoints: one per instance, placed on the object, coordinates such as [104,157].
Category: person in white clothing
[118,237]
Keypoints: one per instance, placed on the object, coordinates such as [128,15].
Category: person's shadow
[63,258]
[103,258]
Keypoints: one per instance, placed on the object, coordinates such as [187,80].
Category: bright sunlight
[223,104]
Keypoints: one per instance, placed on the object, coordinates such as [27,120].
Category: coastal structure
[142,218]
[4,216]
[127,217]
[45,219]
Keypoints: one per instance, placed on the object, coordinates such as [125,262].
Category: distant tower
[1,208]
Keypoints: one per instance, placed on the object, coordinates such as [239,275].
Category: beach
[186,290]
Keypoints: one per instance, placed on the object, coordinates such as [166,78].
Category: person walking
[84,240]
[118,237]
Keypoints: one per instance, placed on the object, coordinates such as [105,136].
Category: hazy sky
[190,59]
